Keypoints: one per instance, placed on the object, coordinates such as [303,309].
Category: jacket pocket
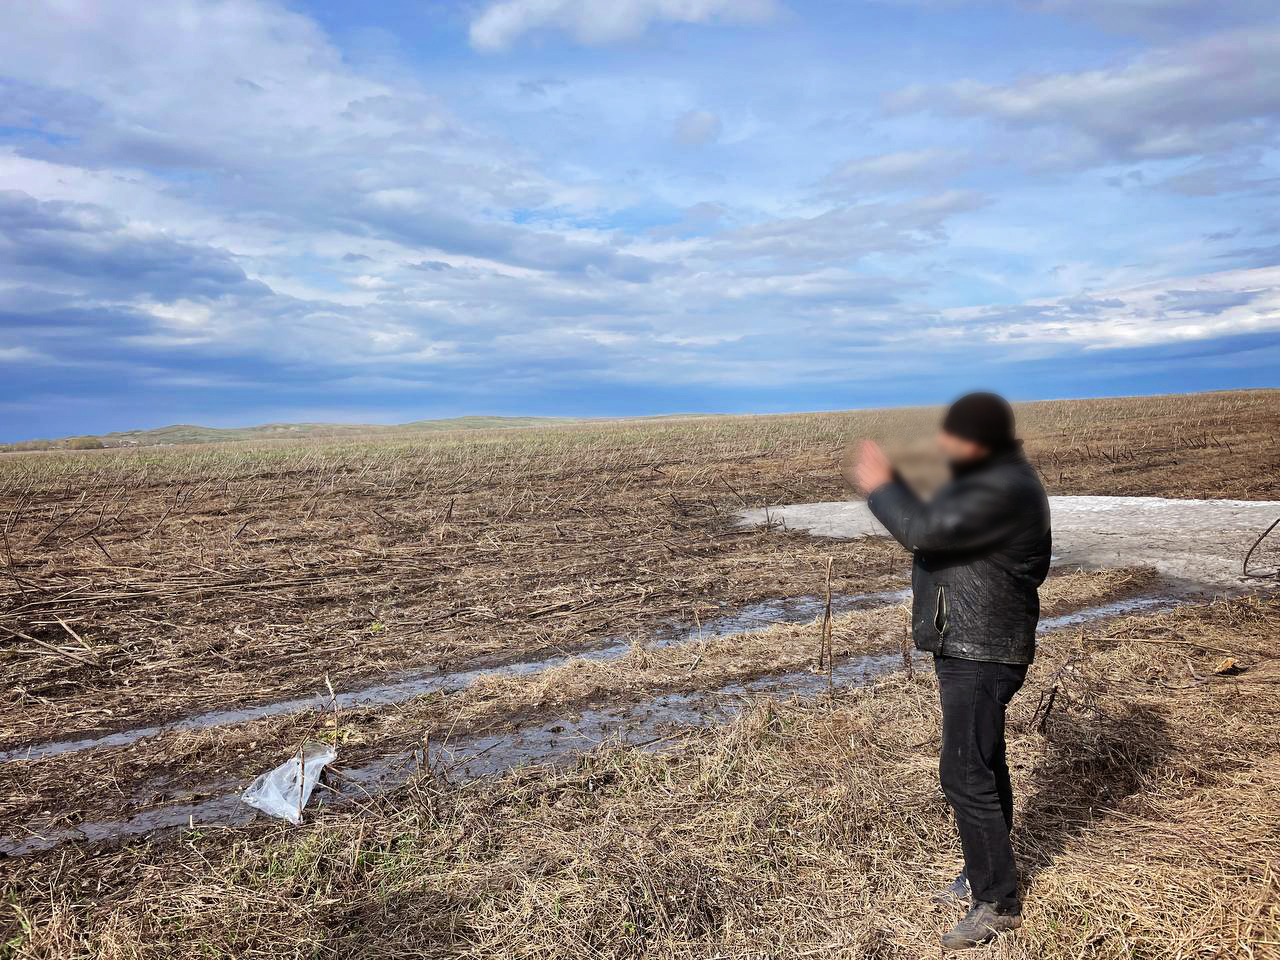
[941,612]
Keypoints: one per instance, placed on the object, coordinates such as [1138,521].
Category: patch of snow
[1201,541]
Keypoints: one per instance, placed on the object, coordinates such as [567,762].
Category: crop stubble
[144,585]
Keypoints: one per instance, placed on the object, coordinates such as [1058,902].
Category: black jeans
[974,774]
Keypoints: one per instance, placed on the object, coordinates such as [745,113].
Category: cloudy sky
[240,211]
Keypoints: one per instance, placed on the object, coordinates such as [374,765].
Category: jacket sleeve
[964,518]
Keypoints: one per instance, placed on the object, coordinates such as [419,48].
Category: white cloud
[1228,303]
[698,127]
[211,183]
[258,110]
[899,168]
[1157,15]
[849,232]
[1213,94]
[501,24]
[1145,17]
[18,355]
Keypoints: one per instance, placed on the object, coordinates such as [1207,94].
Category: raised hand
[871,469]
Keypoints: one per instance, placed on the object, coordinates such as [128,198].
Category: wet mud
[417,683]
[647,723]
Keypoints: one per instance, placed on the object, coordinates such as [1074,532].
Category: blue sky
[243,211]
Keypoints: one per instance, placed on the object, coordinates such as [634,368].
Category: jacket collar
[1010,454]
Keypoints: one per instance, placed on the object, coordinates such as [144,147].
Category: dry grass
[1149,826]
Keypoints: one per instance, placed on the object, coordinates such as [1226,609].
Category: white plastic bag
[284,791]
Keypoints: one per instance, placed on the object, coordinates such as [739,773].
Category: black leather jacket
[981,550]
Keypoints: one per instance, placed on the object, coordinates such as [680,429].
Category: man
[981,551]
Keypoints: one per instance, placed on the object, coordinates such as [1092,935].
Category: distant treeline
[69,443]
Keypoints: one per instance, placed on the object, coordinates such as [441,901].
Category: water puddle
[226,810]
[1107,610]
[791,610]
[647,724]
[754,617]
[742,620]
[384,694]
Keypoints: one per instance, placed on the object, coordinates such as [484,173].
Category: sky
[231,212]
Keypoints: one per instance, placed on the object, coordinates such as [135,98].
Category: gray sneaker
[982,924]
[954,894]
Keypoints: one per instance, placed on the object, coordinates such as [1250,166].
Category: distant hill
[183,433]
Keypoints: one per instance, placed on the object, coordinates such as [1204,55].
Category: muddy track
[407,685]
[498,717]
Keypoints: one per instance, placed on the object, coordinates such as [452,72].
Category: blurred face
[958,450]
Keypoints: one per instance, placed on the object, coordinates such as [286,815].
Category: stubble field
[519,596]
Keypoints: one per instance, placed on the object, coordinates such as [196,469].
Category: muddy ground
[1144,763]
[489,719]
